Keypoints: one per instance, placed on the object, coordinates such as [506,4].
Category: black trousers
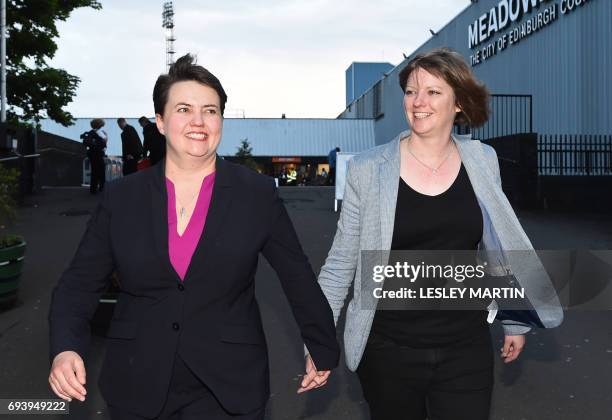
[98,172]
[188,399]
[447,383]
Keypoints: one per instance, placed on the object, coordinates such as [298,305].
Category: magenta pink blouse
[182,247]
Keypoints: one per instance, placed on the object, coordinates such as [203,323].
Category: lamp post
[3,60]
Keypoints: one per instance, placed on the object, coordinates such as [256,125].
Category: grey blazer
[366,223]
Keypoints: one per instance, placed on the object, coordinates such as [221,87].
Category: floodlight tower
[168,23]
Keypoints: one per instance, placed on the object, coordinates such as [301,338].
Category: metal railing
[575,155]
[510,114]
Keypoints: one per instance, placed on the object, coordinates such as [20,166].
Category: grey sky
[272,56]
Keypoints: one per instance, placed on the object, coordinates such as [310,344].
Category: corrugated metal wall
[297,137]
[566,66]
[268,137]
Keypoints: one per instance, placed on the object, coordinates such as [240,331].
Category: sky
[272,57]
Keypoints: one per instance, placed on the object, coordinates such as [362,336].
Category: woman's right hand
[67,376]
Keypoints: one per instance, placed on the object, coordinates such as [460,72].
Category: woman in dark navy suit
[186,340]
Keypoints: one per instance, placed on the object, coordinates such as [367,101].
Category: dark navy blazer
[212,319]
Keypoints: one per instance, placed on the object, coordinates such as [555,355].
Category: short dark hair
[183,70]
[96,123]
[143,119]
[471,95]
[120,120]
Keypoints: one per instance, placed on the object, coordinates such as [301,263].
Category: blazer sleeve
[338,272]
[75,298]
[510,327]
[310,309]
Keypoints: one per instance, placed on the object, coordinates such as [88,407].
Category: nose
[197,119]
[418,100]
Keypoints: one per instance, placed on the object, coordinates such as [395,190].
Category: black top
[451,220]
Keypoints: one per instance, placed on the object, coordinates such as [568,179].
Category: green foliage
[34,89]
[245,149]
[245,156]
[8,188]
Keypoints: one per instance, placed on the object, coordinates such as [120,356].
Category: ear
[457,108]
[160,123]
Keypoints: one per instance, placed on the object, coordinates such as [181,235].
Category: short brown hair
[183,70]
[471,95]
[97,123]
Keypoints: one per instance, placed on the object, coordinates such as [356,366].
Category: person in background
[292,177]
[186,340]
[331,158]
[429,190]
[130,146]
[154,143]
[97,155]
[282,178]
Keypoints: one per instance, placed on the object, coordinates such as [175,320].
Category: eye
[434,92]
[211,111]
[409,92]
[182,109]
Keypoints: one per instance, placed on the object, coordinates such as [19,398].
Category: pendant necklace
[434,170]
[183,210]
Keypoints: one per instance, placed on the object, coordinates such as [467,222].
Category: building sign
[488,36]
[282,159]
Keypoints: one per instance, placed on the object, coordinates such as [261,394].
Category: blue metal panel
[297,137]
[362,76]
[350,88]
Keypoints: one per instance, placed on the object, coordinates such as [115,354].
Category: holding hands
[313,378]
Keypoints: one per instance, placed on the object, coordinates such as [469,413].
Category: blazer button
[175,326]
[181,287]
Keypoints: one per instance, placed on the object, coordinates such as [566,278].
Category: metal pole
[3,60]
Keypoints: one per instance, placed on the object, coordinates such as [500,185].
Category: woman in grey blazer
[431,190]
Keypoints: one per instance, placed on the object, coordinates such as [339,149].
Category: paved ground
[562,374]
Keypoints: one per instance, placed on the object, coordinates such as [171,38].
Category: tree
[245,149]
[34,89]
[244,154]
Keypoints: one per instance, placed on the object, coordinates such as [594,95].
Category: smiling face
[192,121]
[430,104]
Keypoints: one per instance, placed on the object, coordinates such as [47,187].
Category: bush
[8,188]
[8,241]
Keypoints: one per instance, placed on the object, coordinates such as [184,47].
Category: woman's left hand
[513,345]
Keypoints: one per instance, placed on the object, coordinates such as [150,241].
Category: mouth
[197,136]
[422,115]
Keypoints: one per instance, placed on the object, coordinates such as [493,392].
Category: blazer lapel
[490,196]
[159,216]
[388,183]
[220,204]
